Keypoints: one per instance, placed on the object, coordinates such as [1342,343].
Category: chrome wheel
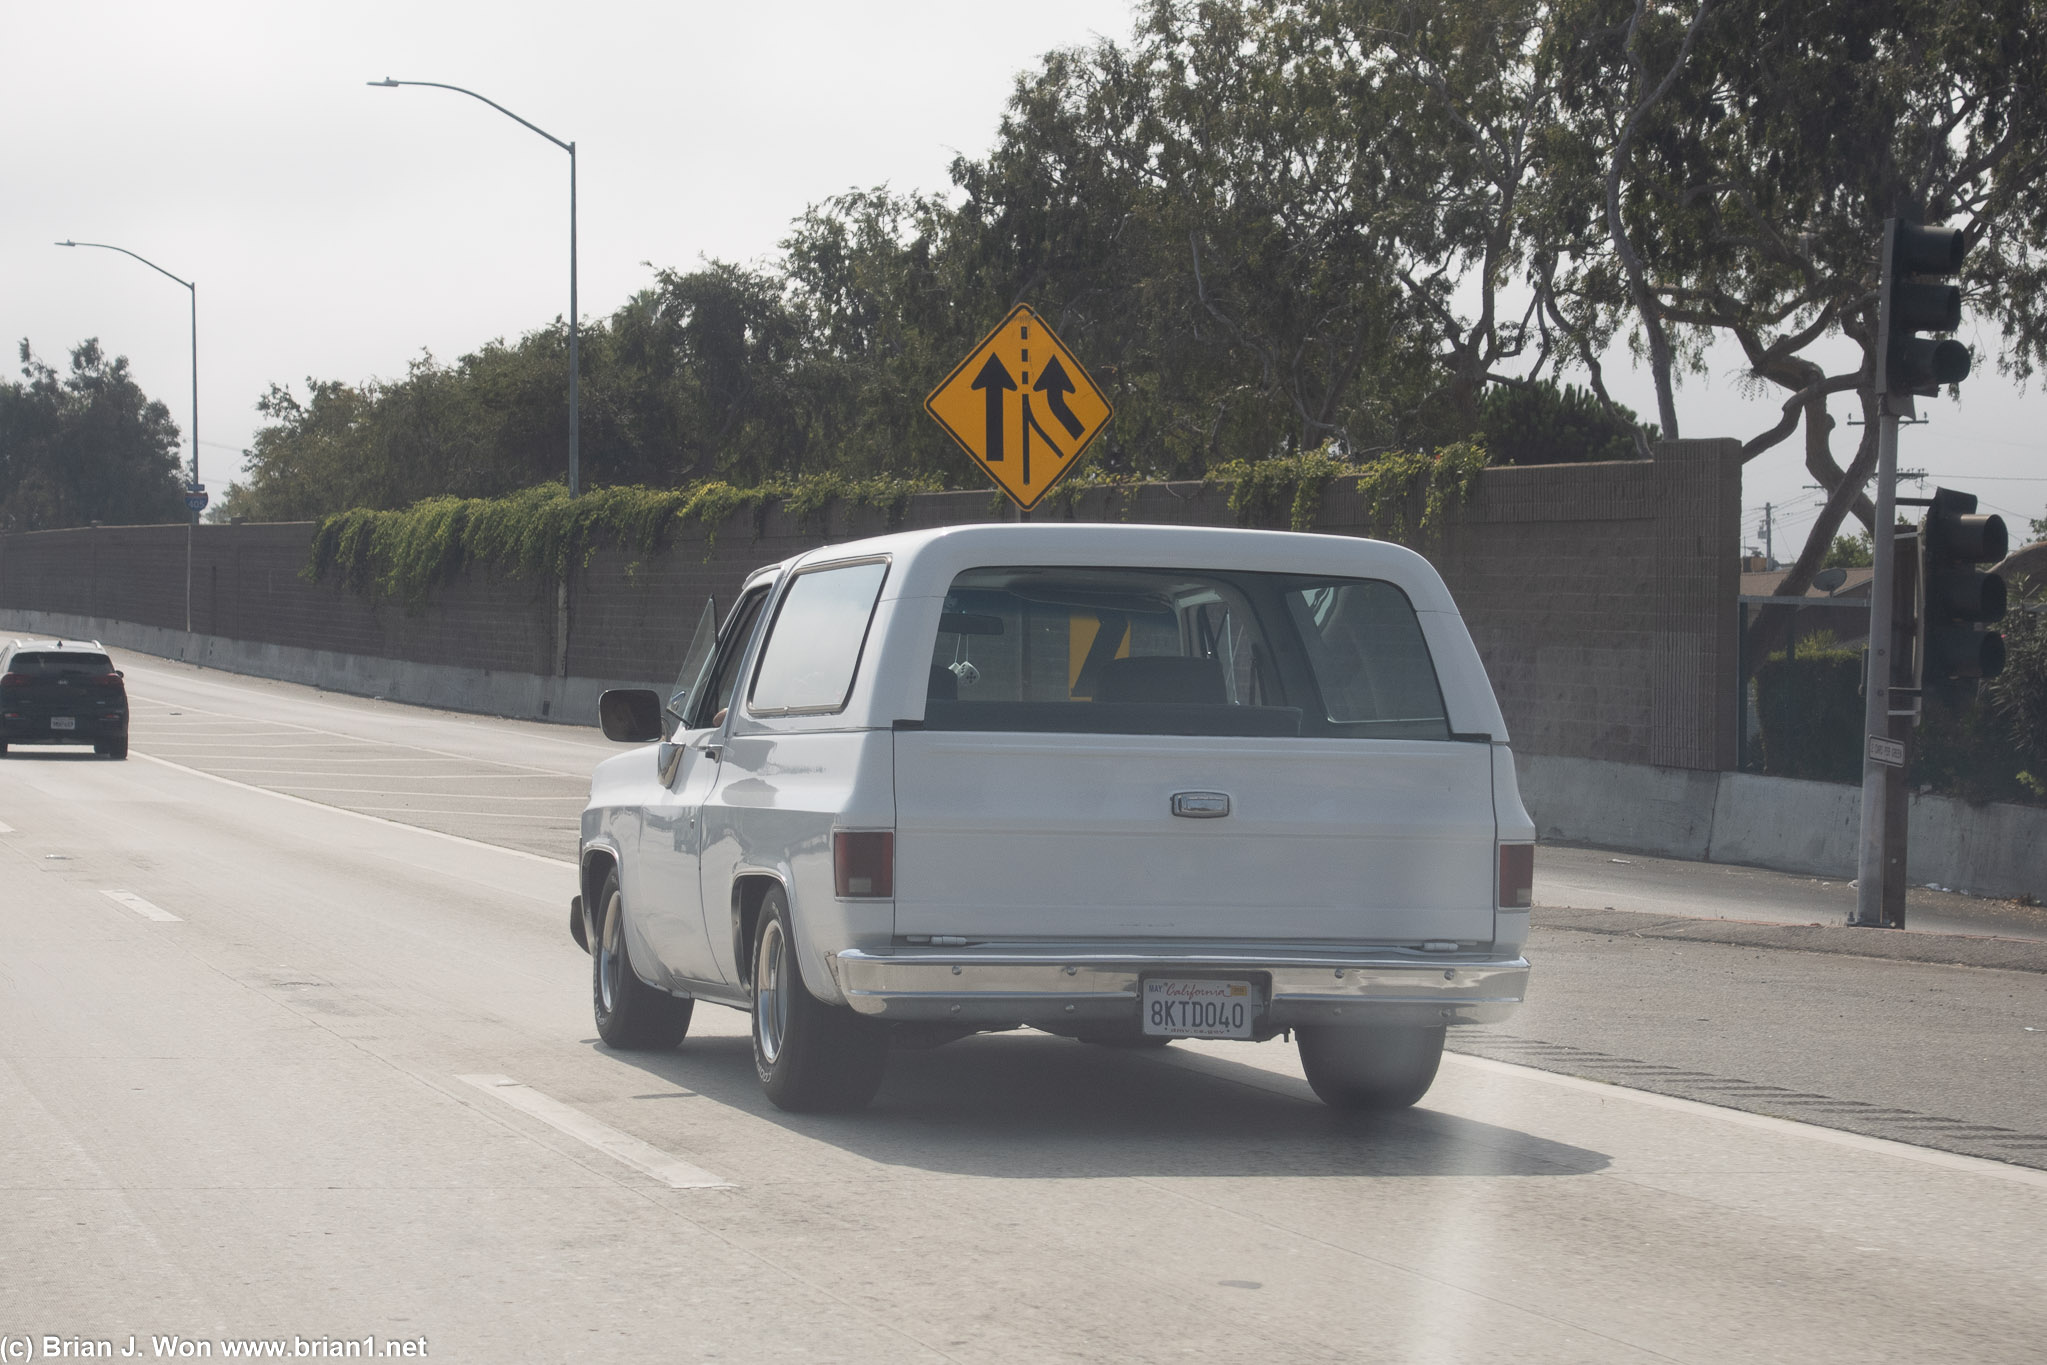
[770,991]
[610,961]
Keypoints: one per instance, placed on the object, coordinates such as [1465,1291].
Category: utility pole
[1769,545]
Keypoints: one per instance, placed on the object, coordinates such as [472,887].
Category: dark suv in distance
[62,692]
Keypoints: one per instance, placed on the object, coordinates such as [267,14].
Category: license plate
[63,722]
[1194,1008]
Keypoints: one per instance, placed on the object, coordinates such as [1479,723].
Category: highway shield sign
[1022,406]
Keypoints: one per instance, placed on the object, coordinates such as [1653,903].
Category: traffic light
[1960,599]
[1911,363]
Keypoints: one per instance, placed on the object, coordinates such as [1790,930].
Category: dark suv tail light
[1517,876]
[13,679]
[864,862]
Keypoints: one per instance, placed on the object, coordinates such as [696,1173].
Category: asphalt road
[269,1069]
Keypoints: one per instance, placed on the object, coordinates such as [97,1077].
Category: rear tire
[1372,1068]
[119,748]
[812,1058]
[631,1015]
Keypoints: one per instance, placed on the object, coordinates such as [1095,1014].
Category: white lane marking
[398,744]
[131,901]
[352,814]
[620,1146]
[479,814]
[363,708]
[6,828]
[578,799]
[1972,1165]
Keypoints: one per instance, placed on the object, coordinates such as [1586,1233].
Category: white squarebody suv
[1125,784]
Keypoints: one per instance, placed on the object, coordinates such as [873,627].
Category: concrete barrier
[1779,823]
[525,696]
[1773,822]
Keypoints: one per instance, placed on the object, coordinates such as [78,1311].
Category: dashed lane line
[620,1146]
[147,909]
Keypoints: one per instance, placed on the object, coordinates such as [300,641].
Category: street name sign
[1021,406]
[1890,751]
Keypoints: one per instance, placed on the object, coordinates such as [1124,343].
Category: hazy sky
[336,230]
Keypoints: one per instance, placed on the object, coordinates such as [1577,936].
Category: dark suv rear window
[1162,651]
[51,664]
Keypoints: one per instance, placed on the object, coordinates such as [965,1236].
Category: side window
[708,708]
[813,647]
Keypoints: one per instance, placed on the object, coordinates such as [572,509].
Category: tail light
[1517,876]
[864,863]
[13,679]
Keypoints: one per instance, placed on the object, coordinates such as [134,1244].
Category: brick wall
[1601,596]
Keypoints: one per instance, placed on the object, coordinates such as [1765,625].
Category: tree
[89,446]
[1850,552]
[1757,181]
[1541,423]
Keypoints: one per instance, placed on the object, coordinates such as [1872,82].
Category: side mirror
[630,715]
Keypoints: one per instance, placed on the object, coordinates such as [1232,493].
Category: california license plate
[63,722]
[1175,1007]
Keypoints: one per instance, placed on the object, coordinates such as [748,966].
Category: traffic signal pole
[1912,298]
[1878,773]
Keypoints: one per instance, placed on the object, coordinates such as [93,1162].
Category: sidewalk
[1599,891]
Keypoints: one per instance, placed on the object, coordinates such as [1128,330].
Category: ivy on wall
[1402,491]
[542,532]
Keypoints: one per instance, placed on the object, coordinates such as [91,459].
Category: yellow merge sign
[1022,406]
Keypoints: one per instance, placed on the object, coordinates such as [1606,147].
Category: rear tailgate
[1073,837]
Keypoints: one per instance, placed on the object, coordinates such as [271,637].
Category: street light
[193,482]
[575,462]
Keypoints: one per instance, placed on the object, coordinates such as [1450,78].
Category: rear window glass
[813,647]
[1367,653]
[1150,651]
[49,665]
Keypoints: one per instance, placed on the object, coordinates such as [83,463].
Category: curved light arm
[144,259]
[388,83]
[575,363]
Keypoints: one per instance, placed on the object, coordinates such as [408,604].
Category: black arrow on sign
[994,378]
[1055,385]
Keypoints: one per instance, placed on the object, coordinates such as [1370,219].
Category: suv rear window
[1153,651]
[51,664]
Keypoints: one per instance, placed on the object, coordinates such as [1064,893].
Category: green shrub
[1809,705]
[1541,423]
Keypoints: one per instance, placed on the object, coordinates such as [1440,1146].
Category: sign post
[1022,406]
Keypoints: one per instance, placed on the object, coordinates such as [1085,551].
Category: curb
[1953,950]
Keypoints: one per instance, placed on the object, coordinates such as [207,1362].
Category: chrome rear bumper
[1050,987]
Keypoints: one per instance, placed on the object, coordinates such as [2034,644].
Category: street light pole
[575,367]
[193,481]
